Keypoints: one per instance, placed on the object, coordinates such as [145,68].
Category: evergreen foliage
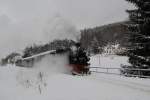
[54,45]
[105,34]
[9,58]
[139,27]
[95,45]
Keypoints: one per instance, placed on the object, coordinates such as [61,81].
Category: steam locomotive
[79,60]
[76,56]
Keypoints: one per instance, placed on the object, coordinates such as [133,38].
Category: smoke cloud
[23,22]
[52,64]
[17,35]
[43,70]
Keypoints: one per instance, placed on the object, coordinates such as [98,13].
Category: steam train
[77,59]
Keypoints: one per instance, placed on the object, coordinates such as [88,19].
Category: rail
[117,71]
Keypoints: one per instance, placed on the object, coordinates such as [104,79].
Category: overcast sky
[23,22]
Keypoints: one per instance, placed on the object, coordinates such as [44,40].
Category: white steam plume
[16,35]
[52,64]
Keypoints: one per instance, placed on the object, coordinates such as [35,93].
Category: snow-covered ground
[46,83]
[108,61]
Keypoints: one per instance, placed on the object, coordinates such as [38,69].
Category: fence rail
[107,70]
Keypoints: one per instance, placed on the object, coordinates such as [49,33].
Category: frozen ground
[108,61]
[42,83]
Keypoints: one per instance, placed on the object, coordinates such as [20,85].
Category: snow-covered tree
[139,27]
[95,45]
[9,59]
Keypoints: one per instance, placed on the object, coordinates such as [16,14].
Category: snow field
[108,61]
[49,80]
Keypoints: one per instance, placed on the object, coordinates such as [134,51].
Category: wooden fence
[117,71]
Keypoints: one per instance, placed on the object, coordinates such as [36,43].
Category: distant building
[112,49]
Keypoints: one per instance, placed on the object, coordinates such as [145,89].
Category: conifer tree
[139,27]
[95,45]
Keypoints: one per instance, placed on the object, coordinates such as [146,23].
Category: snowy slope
[110,61]
[44,83]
